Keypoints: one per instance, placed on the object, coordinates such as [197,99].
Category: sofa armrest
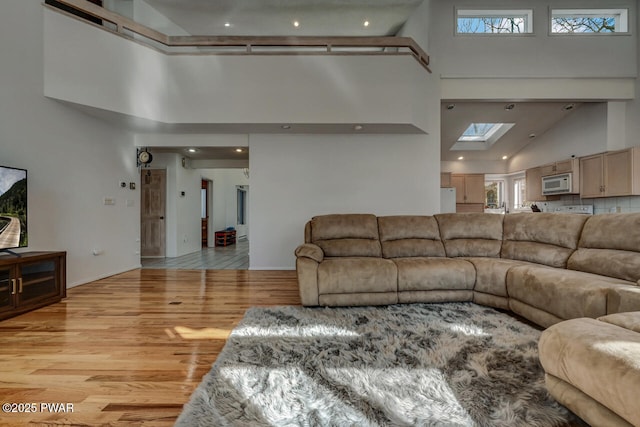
[307,272]
[309,250]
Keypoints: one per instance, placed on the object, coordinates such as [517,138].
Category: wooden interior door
[152,212]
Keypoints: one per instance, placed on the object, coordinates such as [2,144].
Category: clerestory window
[589,21]
[478,21]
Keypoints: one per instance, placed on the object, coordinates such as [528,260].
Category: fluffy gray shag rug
[454,364]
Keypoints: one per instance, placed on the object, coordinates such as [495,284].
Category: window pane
[493,21]
[494,194]
[589,21]
[491,25]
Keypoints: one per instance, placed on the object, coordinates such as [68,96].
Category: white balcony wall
[89,66]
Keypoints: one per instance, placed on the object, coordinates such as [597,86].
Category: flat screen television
[13,208]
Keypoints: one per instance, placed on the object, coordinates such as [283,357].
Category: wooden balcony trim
[286,44]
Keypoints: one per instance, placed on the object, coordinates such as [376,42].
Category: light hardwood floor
[128,350]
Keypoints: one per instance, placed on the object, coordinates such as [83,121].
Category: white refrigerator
[447,200]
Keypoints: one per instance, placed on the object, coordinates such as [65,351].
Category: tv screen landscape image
[13,208]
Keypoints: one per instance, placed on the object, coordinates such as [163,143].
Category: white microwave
[556,184]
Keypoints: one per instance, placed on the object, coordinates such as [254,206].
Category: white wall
[73,160]
[633,107]
[582,133]
[296,177]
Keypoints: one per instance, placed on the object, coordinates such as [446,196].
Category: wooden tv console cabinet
[30,281]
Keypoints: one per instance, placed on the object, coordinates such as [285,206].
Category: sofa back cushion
[610,246]
[351,235]
[543,238]
[471,234]
[410,236]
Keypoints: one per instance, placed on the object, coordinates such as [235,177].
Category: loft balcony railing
[238,45]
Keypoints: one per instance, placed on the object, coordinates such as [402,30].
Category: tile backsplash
[600,206]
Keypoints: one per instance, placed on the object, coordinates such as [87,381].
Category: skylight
[479,132]
[481,136]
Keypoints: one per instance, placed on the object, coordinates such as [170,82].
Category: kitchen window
[494,194]
[519,193]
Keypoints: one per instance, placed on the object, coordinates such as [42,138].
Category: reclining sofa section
[544,267]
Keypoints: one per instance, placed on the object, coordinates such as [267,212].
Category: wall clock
[144,157]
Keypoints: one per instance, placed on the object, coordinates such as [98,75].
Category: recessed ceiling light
[365,23]
[296,24]
[509,107]
[239,150]
[505,157]
[569,107]
[285,127]
[451,106]
[357,127]
[192,150]
[461,158]
[532,135]
[227,24]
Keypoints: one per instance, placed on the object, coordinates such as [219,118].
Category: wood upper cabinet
[610,174]
[592,176]
[533,184]
[564,166]
[469,191]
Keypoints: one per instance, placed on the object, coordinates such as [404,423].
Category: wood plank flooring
[128,350]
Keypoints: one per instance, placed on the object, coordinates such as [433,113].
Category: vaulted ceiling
[348,18]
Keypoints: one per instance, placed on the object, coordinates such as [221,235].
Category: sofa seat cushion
[357,275]
[427,274]
[630,320]
[410,236]
[566,294]
[542,238]
[346,235]
[471,234]
[491,274]
[598,358]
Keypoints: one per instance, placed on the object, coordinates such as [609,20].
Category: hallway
[233,257]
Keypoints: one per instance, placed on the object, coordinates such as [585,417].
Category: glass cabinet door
[37,280]
[8,289]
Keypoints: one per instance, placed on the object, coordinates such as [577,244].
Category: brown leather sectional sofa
[548,268]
